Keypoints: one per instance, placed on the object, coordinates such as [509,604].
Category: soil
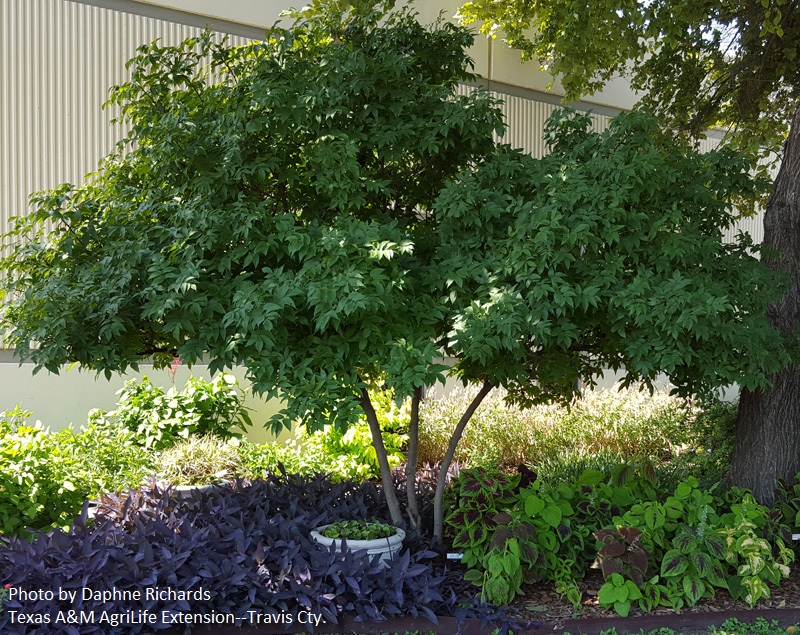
[543,606]
[543,611]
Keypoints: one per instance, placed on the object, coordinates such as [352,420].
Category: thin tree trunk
[383,461]
[767,443]
[438,499]
[411,460]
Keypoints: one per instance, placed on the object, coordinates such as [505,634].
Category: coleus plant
[621,553]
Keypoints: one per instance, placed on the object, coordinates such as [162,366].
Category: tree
[697,65]
[324,210]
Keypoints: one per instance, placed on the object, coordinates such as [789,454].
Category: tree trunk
[767,443]
[389,493]
[441,481]
[411,461]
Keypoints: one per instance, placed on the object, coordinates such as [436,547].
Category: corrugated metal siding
[526,118]
[58,60]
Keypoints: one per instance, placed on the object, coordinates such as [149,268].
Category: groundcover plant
[243,556]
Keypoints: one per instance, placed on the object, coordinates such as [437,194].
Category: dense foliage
[187,436]
[598,431]
[660,541]
[45,478]
[160,418]
[655,548]
[248,548]
[198,461]
[735,64]
[324,209]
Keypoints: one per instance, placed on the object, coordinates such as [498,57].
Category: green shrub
[568,466]
[108,457]
[359,530]
[655,547]
[707,455]
[261,459]
[38,488]
[344,455]
[349,454]
[159,419]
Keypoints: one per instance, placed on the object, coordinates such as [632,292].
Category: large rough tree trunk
[768,424]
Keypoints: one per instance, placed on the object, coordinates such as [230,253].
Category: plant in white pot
[198,464]
[374,537]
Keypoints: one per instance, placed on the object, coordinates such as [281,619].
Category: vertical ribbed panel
[58,60]
[525,119]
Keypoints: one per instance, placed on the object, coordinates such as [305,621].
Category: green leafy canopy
[324,209]
[697,64]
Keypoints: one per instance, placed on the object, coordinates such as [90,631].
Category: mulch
[545,612]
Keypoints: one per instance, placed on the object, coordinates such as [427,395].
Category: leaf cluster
[606,253]
[735,65]
[655,548]
[322,208]
[158,419]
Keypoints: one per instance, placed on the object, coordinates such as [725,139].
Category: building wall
[58,60]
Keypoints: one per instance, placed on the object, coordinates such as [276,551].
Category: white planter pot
[183,492]
[386,547]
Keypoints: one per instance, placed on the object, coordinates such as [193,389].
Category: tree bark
[441,481]
[411,461]
[389,493]
[767,445]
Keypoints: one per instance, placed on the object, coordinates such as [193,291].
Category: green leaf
[534,506]
[474,576]
[693,588]
[673,564]
[591,477]
[551,514]
[622,608]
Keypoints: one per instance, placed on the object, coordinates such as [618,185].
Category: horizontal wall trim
[556,100]
[177,16]
[546,98]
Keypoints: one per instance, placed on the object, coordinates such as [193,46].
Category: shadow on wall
[59,401]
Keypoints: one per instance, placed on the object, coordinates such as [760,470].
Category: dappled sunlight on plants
[601,427]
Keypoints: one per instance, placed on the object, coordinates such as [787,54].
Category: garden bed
[684,622]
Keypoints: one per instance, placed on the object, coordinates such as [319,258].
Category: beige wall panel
[64,400]
[508,67]
[58,60]
[258,13]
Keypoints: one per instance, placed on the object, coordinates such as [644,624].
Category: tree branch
[438,515]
